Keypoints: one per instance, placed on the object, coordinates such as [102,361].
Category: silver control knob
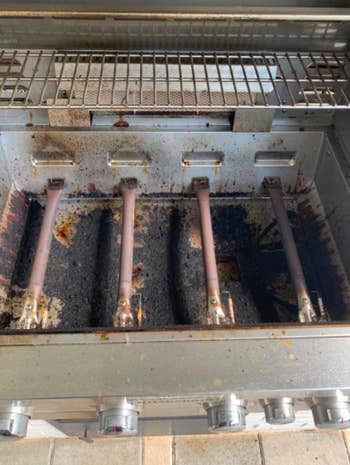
[331,412]
[279,411]
[120,420]
[13,425]
[226,415]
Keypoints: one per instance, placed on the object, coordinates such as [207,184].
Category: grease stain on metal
[287,343]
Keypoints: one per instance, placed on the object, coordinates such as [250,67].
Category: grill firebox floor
[82,278]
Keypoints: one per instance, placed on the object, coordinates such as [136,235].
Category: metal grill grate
[173,81]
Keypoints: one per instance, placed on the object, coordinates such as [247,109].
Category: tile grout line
[142,451]
[173,451]
[346,446]
[261,450]
[51,454]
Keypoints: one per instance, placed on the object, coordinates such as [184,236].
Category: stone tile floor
[287,448]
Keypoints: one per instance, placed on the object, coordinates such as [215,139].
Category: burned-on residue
[83,272]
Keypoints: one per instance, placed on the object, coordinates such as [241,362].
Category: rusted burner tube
[306,310]
[123,316]
[201,188]
[37,277]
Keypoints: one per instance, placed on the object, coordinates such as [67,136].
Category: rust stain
[145,165]
[121,123]
[49,307]
[138,279]
[69,216]
[104,336]
[142,218]
[118,216]
[44,303]
[92,189]
[287,343]
[65,230]
[194,237]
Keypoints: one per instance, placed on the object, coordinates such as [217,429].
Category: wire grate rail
[163,81]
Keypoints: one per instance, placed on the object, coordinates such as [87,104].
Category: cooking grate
[173,81]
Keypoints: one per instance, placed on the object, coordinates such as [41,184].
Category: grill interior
[82,279]
[168,278]
[174,221]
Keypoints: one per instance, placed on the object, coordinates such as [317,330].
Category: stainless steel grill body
[227,94]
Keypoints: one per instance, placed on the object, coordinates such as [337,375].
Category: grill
[174,216]
[173,81]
